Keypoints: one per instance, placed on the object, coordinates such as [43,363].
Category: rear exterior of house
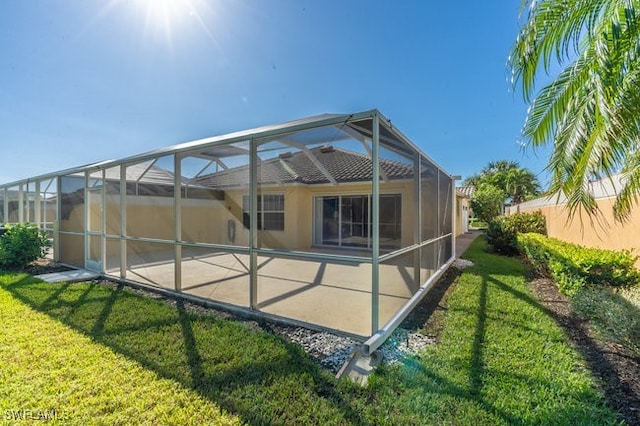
[335,221]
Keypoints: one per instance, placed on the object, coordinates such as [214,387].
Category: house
[335,221]
[602,231]
[463,208]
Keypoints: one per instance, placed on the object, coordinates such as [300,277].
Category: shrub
[573,266]
[487,201]
[502,231]
[21,245]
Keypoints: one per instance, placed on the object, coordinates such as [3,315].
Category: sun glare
[164,22]
[164,19]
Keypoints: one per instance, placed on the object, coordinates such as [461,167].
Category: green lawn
[49,371]
[117,356]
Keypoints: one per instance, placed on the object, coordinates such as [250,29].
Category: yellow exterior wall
[207,221]
[71,249]
[461,203]
[603,232]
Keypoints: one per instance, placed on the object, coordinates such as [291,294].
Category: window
[270,212]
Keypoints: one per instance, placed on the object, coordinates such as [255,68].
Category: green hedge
[502,231]
[21,245]
[573,266]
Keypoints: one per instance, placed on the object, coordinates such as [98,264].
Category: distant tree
[517,183]
[487,202]
[474,180]
[520,184]
[500,166]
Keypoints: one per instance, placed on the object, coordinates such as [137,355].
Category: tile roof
[298,167]
[467,191]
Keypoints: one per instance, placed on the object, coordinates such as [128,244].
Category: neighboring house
[463,210]
[336,221]
[602,231]
[466,190]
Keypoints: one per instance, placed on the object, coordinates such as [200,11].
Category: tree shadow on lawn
[255,375]
[479,371]
[548,300]
[616,371]
[259,376]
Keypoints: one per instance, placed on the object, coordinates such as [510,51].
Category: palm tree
[500,166]
[520,183]
[515,182]
[496,172]
[591,111]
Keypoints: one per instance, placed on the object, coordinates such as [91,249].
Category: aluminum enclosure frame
[91,173]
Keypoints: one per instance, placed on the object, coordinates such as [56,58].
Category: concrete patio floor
[335,295]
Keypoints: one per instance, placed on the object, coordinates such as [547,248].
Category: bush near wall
[502,231]
[21,245]
[573,266]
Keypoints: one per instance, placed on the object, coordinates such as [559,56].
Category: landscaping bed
[616,367]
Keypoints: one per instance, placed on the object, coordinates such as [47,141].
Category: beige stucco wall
[71,249]
[461,203]
[602,232]
[207,221]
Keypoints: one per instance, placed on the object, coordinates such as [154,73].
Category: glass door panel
[330,221]
[355,225]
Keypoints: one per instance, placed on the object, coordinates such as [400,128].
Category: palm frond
[591,111]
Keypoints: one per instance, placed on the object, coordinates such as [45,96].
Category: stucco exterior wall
[603,232]
[208,221]
[462,203]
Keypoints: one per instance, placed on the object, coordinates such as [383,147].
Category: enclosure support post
[87,247]
[103,221]
[21,203]
[375,231]
[123,221]
[417,223]
[37,219]
[56,224]
[253,226]
[454,210]
[177,220]
[5,208]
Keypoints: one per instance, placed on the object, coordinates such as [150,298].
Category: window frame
[263,223]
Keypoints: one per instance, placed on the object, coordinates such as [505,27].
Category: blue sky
[91,80]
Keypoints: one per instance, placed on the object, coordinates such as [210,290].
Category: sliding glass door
[345,221]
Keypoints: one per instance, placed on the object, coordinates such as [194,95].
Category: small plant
[503,231]
[21,245]
[613,317]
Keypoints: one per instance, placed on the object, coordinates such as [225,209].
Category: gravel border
[330,350]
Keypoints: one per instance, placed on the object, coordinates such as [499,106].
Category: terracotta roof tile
[342,165]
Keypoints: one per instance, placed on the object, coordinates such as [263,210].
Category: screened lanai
[335,221]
